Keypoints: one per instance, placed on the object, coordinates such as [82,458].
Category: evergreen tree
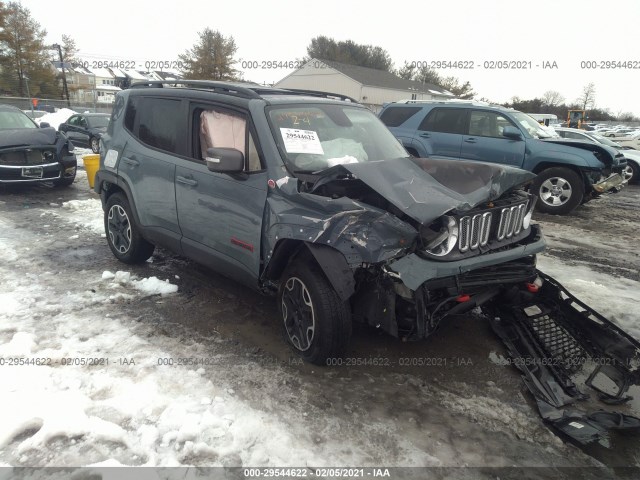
[325,48]
[211,58]
[24,57]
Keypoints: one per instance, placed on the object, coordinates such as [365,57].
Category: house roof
[381,78]
[101,72]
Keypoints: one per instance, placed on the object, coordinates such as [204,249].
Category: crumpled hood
[426,188]
[27,136]
[608,153]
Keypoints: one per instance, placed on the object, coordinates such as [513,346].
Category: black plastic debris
[568,354]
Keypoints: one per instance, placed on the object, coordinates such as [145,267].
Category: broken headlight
[442,237]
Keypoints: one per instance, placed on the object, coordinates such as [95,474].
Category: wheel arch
[331,262]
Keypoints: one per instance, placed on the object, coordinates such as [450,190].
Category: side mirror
[44,125]
[512,133]
[225,160]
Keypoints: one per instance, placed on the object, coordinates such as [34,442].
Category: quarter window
[396,116]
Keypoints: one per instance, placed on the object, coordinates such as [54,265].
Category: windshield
[9,120]
[98,122]
[316,137]
[530,125]
[603,140]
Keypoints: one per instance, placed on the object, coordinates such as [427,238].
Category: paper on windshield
[301,141]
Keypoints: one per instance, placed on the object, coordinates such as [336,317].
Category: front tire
[65,180]
[632,172]
[316,321]
[123,234]
[559,190]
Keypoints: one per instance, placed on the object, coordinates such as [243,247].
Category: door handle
[186,181]
[470,140]
[131,161]
[425,135]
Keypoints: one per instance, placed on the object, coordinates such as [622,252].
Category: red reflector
[532,287]
[463,298]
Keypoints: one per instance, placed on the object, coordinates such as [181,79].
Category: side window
[73,120]
[487,124]
[82,122]
[396,116]
[158,123]
[445,120]
[225,129]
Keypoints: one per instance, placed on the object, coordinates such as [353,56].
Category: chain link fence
[48,104]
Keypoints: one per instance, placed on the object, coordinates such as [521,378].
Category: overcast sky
[566,32]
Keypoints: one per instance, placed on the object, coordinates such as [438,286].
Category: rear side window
[396,116]
[155,121]
[445,120]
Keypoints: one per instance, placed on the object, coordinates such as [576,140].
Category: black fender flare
[334,265]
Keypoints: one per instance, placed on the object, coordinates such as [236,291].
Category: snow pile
[55,119]
[149,286]
[85,213]
[614,297]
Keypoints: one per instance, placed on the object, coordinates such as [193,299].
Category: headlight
[526,221]
[442,242]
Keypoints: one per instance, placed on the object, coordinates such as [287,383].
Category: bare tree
[588,98]
[553,98]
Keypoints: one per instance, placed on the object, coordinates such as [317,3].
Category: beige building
[368,86]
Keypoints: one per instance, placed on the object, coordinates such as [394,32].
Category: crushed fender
[569,356]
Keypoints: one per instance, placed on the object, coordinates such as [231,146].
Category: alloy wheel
[119,228]
[298,314]
[555,191]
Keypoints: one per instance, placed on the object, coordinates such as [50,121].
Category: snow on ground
[107,397]
[56,118]
[598,289]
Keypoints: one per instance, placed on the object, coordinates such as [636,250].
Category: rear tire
[94,143]
[123,234]
[559,190]
[316,322]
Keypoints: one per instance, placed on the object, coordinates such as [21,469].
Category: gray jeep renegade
[309,196]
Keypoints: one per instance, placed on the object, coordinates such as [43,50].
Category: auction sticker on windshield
[301,141]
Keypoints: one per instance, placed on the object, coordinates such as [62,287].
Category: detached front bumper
[414,270]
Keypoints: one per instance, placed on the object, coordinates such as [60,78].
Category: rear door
[440,132]
[221,214]
[148,162]
[484,140]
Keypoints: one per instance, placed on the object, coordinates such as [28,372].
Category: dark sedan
[85,129]
[32,154]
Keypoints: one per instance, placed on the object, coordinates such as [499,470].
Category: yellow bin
[91,165]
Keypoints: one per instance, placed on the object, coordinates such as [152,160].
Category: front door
[484,140]
[221,214]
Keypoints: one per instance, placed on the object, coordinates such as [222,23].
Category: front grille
[474,231]
[26,157]
[478,230]
[511,221]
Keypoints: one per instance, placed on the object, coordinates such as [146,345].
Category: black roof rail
[220,87]
[314,93]
[248,91]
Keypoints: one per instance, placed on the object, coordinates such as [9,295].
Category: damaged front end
[419,239]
